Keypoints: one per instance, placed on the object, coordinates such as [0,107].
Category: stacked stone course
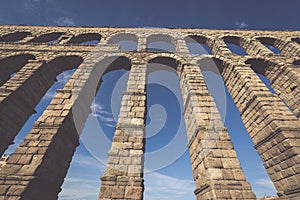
[31,58]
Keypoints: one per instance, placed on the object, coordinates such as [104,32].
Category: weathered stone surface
[43,158]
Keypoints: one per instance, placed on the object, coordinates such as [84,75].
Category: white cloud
[96,107]
[79,188]
[265,183]
[62,80]
[158,187]
[65,21]
[263,187]
[65,76]
[163,187]
[49,95]
[241,24]
[83,180]
[103,115]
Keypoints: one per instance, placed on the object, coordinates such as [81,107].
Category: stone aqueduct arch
[38,166]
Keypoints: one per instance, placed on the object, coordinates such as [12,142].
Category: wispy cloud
[95,107]
[163,187]
[49,95]
[88,189]
[158,187]
[265,183]
[263,187]
[65,76]
[65,21]
[81,183]
[102,114]
[241,24]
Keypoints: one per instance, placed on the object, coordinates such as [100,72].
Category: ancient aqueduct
[36,170]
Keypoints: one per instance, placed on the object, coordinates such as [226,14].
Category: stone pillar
[255,47]
[64,39]
[142,44]
[18,98]
[285,80]
[218,47]
[216,170]
[37,168]
[181,46]
[273,128]
[288,48]
[123,178]
[28,38]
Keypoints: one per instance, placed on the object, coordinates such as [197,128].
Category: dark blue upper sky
[220,14]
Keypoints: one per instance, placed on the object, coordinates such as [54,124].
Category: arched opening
[14,37]
[212,70]
[25,98]
[162,64]
[110,78]
[296,40]
[59,83]
[47,38]
[166,151]
[270,43]
[265,72]
[11,65]
[197,45]
[86,39]
[127,41]
[260,66]
[161,42]
[234,44]
[296,62]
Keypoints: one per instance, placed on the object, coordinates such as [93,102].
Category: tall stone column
[255,47]
[142,44]
[216,170]
[288,48]
[181,46]
[36,170]
[123,178]
[218,47]
[273,128]
[285,80]
[18,98]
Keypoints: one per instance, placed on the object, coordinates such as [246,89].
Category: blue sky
[254,14]
[172,179]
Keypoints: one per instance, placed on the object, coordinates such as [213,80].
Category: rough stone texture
[37,168]
[273,128]
[123,178]
[216,169]
[3,160]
